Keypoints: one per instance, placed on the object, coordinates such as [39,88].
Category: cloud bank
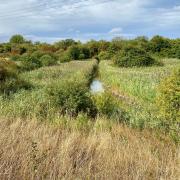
[50,20]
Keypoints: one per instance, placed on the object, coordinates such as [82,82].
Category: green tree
[158,43]
[17,39]
[65,44]
[132,56]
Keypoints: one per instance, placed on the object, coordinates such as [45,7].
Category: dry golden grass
[31,150]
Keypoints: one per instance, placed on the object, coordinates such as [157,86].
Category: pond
[96,86]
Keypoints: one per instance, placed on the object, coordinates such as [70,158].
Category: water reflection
[96,86]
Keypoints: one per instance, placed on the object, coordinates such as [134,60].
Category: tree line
[139,51]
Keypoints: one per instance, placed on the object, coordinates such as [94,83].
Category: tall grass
[66,147]
[136,89]
[31,150]
[35,102]
[141,83]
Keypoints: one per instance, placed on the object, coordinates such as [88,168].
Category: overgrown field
[138,83]
[31,150]
[137,89]
[52,126]
[47,87]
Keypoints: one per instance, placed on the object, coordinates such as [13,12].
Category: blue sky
[53,20]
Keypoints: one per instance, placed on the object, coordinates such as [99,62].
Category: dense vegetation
[132,56]
[58,128]
[70,95]
[168,99]
[136,52]
[147,102]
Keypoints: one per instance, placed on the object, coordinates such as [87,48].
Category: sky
[54,20]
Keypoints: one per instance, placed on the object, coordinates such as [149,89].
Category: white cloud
[117,30]
[86,18]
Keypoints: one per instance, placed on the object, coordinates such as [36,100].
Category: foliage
[65,44]
[72,97]
[38,54]
[17,39]
[74,52]
[168,100]
[84,52]
[29,62]
[93,47]
[47,60]
[15,57]
[159,44]
[104,55]
[136,89]
[108,106]
[65,57]
[105,104]
[9,79]
[132,56]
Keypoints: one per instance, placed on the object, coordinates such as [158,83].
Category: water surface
[96,86]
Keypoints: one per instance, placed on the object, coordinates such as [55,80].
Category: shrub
[15,57]
[37,54]
[83,122]
[17,39]
[9,80]
[168,99]
[72,97]
[84,53]
[132,56]
[105,104]
[47,60]
[29,62]
[8,64]
[65,57]
[159,43]
[108,106]
[3,73]
[82,56]
[104,55]
[74,52]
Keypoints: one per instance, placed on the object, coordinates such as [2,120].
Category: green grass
[139,86]
[140,83]
[48,75]
[34,103]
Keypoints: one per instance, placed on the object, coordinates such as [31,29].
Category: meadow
[137,89]
[53,126]
[138,83]
[35,102]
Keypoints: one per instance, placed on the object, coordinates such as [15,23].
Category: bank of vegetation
[54,127]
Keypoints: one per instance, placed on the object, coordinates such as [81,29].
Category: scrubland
[52,126]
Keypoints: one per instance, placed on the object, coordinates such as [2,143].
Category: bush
[15,57]
[84,53]
[47,60]
[65,57]
[105,104]
[17,39]
[132,56]
[104,55]
[72,97]
[74,52]
[108,106]
[168,102]
[159,43]
[37,54]
[168,99]
[29,62]
[9,80]
[3,73]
